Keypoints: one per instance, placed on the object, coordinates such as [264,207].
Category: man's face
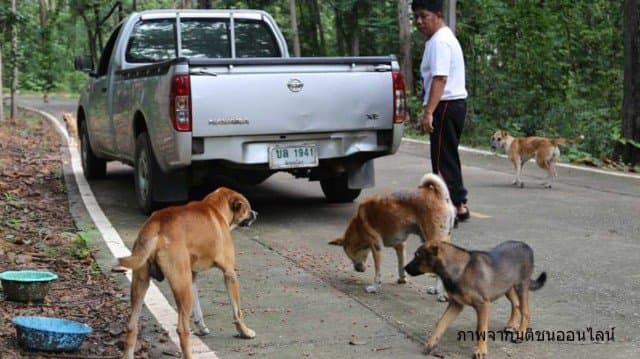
[426,21]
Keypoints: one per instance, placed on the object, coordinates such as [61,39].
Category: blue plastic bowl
[49,334]
[26,285]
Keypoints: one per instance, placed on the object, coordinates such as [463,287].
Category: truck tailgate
[276,101]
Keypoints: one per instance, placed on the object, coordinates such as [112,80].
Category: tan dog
[388,221]
[178,242]
[521,149]
[477,278]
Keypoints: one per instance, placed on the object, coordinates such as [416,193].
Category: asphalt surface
[303,298]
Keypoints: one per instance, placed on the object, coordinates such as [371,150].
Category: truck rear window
[205,38]
[155,40]
[255,39]
[152,41]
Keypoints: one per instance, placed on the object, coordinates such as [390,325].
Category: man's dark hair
[434,6]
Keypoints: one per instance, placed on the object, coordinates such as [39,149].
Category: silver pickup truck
[182,95]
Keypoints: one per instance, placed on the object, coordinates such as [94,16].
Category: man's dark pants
[448,122]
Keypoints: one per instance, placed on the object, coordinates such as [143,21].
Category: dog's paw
[248,334]
[371,288]
[402,280]
[432,350]
[201,330]
[442,298]
[546,185]
[510,328]
[432,290]
[478,354]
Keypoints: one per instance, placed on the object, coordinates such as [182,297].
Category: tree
[406,64]
[630,150]
[14,57]
[294,28]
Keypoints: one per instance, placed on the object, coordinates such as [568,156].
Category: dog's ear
[236,205]
[337,242]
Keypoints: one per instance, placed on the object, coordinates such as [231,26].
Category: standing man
[444,100]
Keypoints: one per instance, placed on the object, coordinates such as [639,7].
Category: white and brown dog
[520,149]
[178,242]
[387,221]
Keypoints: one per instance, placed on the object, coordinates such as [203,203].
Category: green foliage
[549,68]
[81,239]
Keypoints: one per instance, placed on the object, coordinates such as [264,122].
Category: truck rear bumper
[254,150]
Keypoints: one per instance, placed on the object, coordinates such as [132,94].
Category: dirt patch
[37,232]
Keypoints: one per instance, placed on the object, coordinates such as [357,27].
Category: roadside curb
[86,211]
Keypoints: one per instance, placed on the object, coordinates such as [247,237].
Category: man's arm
[435,94]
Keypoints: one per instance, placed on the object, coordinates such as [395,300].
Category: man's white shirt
[443,57]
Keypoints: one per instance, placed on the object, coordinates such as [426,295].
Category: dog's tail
[436,182]
[142,250]
[561,141]
[538,283]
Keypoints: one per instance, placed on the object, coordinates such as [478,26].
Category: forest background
[551,68]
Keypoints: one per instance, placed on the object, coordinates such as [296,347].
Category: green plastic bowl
[26,285]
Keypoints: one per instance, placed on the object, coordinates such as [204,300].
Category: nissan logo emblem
[295,85]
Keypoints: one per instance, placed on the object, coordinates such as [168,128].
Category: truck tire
[336,189]
[144,165]
[93,167]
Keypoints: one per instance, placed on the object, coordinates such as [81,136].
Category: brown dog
[178,242]
[521,149]
[477,278]
[388,221]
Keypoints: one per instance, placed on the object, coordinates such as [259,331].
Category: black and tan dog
[521,149]
[477,278]
[178,242]
[388,220]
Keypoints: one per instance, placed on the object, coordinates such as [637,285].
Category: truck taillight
[399,98]
[180,103]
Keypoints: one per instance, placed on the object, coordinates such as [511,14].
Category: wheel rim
[143,175]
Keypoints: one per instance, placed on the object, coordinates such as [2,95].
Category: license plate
[293,156]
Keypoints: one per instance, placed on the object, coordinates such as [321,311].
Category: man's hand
[427,122]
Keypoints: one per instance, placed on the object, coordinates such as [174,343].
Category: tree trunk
[631,101]
[1,84]
[451,15]
[14,58]
[44,31]
[318,26]
[353,24]
[294,28]
[340,38]
[406,65]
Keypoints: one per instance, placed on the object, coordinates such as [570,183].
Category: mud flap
[363,176]
[170,187]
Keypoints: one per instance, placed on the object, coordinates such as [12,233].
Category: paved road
[304,300]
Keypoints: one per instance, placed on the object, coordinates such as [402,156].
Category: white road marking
[565,165]
[154,300]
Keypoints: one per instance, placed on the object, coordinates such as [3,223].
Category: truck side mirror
[83,63]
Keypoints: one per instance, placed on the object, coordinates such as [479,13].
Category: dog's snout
[249,220]
[359,267]
[412,269]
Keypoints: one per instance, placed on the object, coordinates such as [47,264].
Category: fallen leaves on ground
[38,233]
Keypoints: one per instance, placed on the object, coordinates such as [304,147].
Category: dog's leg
[437,289]
[179,278]
[512,324]
[401,254]
[231,282]
[377,279]
[523,296]
[452,312]
[198,319]
[139,286]
[518,163]
[482,311]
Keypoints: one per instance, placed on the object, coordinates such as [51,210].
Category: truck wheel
[336,189]
[144,164]
[93,167]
